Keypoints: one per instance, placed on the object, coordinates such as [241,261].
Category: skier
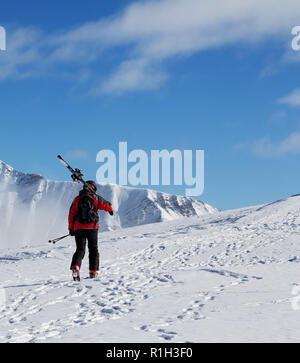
[83,224]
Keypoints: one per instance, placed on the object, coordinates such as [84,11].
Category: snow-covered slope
[232,276]
[33,208]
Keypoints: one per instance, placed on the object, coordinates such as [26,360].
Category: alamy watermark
[2,38]
[160,167]
[295,301]
[296,39]
[2,298]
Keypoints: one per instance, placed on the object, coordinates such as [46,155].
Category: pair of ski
[77,176]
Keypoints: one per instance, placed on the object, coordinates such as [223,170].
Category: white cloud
[159,30]
[264,147]
[133,75]
[267,148]
[290,145]
[291,99]
[77,155]
[154,31]
[21,54]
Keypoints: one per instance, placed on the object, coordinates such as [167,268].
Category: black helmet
[92,184]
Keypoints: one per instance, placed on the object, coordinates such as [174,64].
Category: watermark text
[296,39]
[159,167]
[2,298]
[2,38]
[295,301]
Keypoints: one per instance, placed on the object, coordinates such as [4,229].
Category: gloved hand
[72,233]
[111,213]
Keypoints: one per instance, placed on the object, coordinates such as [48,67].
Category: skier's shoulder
[76,198]
[75,201]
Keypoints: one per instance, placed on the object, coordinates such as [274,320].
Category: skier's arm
[72,215]
[104,206]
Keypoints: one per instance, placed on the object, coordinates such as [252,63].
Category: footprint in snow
[166,335]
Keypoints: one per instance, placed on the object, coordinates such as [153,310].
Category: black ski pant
[81,237]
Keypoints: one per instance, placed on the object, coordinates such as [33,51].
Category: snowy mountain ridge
[39,207]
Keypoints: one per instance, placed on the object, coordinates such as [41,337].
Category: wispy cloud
[268,148]
[133,75]
[291,99]
[152,32]
[21,54]
[77,155]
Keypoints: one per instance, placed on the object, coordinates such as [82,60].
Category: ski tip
[59,156]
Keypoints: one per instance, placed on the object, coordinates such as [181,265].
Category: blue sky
[160,75]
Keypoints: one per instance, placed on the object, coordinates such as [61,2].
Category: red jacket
[75,225]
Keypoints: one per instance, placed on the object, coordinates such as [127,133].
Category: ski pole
[58,239]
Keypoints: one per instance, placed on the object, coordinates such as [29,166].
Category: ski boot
[93,274]
[75,273]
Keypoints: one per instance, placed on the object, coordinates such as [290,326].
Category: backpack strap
[96,199]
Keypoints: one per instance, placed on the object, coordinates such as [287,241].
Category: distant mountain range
[32,207]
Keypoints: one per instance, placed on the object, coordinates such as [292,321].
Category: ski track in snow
[165,280]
